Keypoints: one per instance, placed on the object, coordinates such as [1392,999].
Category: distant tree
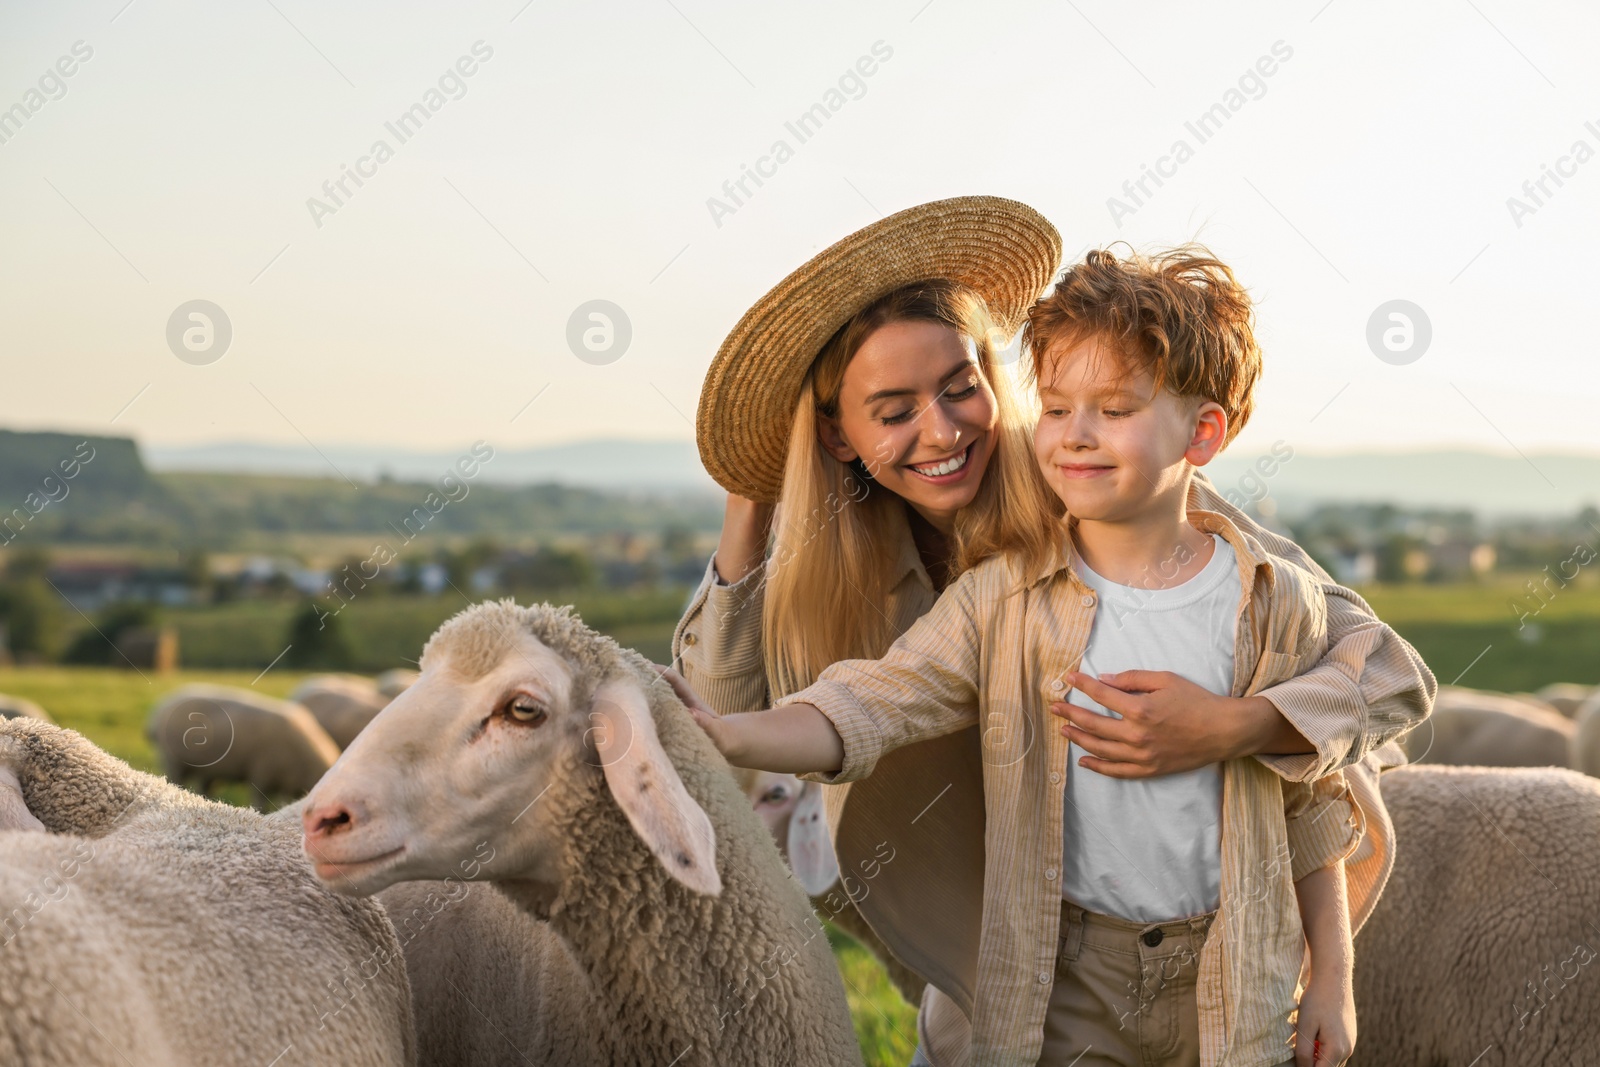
[1393,558]
[29,617]
[317,639]
[25,563]
[196,568]
[677,543]
[29,608]
[225,589]
[411,574]
[460,566]
[552,568]
[356,576]
[95,646]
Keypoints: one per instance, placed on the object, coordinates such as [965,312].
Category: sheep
[142,924]
[394,682]
[1566,697]
[537,754]
[794,814]
[342,703]
[208,733]
[1481,949]
[489,980]
[1586,740]
[1473,728]
[16,707]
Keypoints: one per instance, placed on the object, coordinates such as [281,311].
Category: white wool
[151,926]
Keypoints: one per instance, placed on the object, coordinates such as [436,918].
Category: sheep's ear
[647,787]
[14,813]
[810,849]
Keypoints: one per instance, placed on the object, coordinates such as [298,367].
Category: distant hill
[108,464]
[1491,484]
[660,466]
[67,486]
[114,499]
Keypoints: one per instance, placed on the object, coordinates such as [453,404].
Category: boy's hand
[681,688]
[1325,1034]
[791,739]
[715,726]
[1169,724]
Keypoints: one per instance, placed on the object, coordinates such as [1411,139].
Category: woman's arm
[1326,1025]
[718,642]
[742,548]
[1369,688]
[1169,724]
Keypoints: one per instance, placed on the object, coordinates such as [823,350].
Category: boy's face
[1113,446]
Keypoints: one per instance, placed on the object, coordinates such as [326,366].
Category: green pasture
[1495,634]
[386,630]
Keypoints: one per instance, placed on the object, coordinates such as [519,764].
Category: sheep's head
[793,813]
[511,704]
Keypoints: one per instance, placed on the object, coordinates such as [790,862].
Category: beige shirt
[927,800]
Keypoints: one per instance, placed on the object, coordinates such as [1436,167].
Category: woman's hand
[1325,1033]
[1169,724]
[743,544]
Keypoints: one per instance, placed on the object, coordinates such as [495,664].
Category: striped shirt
[993,652]
[933,799]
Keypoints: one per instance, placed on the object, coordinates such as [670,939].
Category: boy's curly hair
[1179,314]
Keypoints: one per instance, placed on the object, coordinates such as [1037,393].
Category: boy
[1124,921]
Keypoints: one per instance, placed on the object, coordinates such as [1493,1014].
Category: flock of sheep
[533,856]
[1559,726]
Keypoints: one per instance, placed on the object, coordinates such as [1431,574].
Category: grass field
[1470,633]
[1478,633]
[388,631]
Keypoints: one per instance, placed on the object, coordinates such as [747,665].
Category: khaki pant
[1124,992]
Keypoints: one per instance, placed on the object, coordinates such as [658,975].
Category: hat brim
[1004,250]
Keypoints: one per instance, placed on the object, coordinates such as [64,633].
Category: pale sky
[431,305]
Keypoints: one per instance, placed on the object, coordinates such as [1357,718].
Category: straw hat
[1007,252]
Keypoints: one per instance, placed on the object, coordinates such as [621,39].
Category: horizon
[1497,484]
[1422,448]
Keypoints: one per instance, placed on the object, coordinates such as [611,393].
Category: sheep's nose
[326,819]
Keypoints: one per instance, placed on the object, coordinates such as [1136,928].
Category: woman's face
[914,406]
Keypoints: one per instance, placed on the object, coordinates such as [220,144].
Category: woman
[860,411]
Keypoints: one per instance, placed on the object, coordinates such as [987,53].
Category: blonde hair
[829,574]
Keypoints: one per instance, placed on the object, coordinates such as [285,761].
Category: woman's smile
[945,471]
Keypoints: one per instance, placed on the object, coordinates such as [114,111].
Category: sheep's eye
[776,795]
[525,711]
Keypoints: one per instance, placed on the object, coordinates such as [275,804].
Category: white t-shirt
[1150,849]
